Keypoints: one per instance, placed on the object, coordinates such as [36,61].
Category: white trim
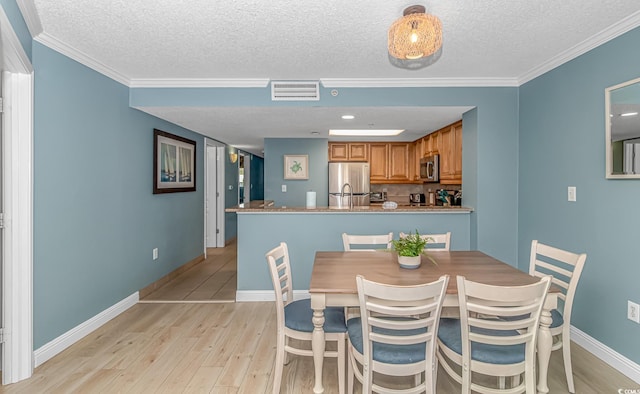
[72,336]
[266,295]
[629,23]
[606,354]
[199,83]
[221,157]
[81,58]
[17,156]
[417,82]
[31,17]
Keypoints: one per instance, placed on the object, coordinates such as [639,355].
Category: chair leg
[349,372]
[279,364]
[341,360]
[566,356]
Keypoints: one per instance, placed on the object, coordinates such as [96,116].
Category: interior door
[211,219]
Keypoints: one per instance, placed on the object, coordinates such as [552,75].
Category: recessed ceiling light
[365,132]
[629,114]
[348,117]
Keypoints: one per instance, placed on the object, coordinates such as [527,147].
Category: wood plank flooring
[212,280]
[189,337]
[224,348]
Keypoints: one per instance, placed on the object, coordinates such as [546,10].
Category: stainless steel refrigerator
[348,180]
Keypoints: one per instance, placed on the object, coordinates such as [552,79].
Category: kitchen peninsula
[262,227]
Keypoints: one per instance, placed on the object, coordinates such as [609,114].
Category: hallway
[211,281]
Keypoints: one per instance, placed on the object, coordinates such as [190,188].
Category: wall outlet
[571,193]
[633,312]
[155,253]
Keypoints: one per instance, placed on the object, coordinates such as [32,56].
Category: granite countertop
[268,207]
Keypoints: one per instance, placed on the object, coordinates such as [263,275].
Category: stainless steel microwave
[430,168]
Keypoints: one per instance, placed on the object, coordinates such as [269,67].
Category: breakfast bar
[262,226]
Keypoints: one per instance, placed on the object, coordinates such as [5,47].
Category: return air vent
[295,91]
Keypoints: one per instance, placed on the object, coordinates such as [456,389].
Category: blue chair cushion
[383,352]
[556,317]
[450,335]
[298,315]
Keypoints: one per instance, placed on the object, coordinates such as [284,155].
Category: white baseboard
[614,359]
[266,295]
[72,336]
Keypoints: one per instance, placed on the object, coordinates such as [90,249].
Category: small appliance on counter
[417,199]
[448,197]
[378,197]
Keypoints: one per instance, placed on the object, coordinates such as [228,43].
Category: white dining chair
[294,319]
[395,335]
[442,240]
[489,345]
[566,268]
[357,242]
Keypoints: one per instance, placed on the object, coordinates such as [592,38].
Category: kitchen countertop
[268,207]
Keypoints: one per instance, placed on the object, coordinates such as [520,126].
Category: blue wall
[306,233]
[296,195]
[96,220]
[562,143]
[491,138]
[18,24]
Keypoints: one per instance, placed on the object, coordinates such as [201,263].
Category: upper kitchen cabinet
[389,162]
[451,154]
[348,151]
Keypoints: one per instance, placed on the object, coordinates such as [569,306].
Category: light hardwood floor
[223,348]
[212,280]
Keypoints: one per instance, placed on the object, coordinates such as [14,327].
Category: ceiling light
[629,114]
[348,117]
[415,40]
[365,133]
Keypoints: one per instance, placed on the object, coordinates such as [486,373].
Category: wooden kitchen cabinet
[389,162]
[451,154]
[348,151]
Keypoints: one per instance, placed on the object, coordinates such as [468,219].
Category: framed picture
[174,163]
[296,166]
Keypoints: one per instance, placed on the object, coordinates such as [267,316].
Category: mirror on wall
[622,106]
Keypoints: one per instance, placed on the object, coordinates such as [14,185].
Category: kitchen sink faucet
[350,194]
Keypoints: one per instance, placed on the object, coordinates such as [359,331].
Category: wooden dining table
[333,283]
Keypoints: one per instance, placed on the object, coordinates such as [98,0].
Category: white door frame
[218,186]
[17,194]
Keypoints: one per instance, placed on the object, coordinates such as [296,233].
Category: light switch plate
[571,193]
[284,188]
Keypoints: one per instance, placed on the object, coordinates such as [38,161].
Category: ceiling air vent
[295,91]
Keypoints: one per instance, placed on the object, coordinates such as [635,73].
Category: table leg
[545,341]
[317,340]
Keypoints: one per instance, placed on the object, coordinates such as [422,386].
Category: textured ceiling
[504,40]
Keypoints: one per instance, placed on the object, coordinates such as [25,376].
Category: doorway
[214,196]
[17,199]
[244,178]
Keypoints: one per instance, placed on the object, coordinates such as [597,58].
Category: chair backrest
[565,268]
[412,309]
[520,305]
[372,240]
[444,240]
[280,270]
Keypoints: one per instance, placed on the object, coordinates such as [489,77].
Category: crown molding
[31,17]
[416,82]
[81,58]
[629,23]
[199,82]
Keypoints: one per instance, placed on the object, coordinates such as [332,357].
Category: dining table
[333,283]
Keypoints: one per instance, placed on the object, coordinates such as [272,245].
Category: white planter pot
[409,262]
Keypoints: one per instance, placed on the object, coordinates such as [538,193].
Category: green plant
[410,245]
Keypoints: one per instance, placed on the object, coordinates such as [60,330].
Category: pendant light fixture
[415,40]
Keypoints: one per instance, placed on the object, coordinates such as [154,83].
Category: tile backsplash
[400,192]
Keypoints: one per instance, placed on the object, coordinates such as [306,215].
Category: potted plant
[410,249]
